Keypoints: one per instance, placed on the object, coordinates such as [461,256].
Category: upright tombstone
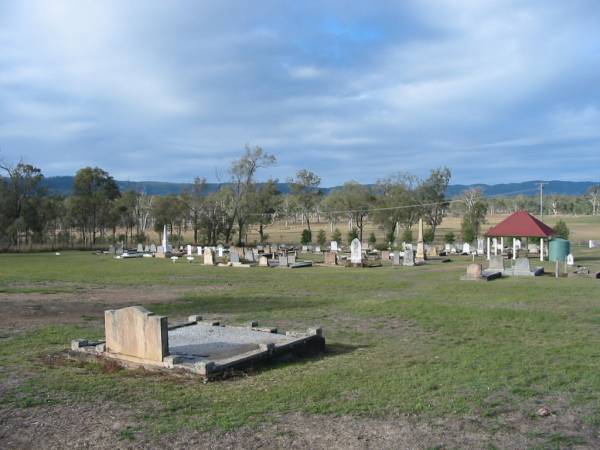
[165,240]
[480,246]
[318,249]
[189,250]
[356,252]
[385,255]
[136,333]
[147,248]
[330,258]
[249,255]
[570,260]
[432,252]
[409,257]
[518,244]
[396,258]
[140,248]
[199,251]
[333,246]
[234,256]
[420,256]
[152,248]
[112,249]
[220,250]
[263,261]
[291,257]
[283,261]
[209,257]
[466,250]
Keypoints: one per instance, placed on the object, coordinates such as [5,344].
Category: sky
[498,91]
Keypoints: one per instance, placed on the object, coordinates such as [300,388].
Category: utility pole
[541,186]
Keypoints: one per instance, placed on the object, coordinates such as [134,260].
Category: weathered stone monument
[189,250]
[209,257]
[136,333]
[356,252]
[476,273]
[333,246]
[466,250]
[140,248]
[396,258]
[432,252]
[136,337]
[220,250]
[385,255]
[420,256]
[570,260]
[330,258]
[409,257]
[480,246]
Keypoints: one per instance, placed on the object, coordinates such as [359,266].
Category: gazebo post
[488,248]
[541,249]
[502,245]
[514,248]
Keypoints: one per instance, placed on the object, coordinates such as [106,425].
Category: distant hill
[64,186]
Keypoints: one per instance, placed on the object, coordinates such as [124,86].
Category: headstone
[140,248]
[152,248]
[330,258]
[220,250]
[119,250]
[112,249]
[447,248]
[385,255]
[249,255]
[318,249]
[333,246]
[533,248]
[420,256]
[209,257]
[518,244]
[474,271]
[480,246]
[355,251]
[304,248]
[283,261]
[409,258]
[396,258]
[147,248]
[496,263]
[570,260]
[466,250]
[594,244]
[263,261]
[432,252]
[189,250]
[234,257]
[160,252]
[137,333]
[199,251]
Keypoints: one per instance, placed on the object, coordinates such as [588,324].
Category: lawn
[401,341]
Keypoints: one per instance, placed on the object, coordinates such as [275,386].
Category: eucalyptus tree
[305,187]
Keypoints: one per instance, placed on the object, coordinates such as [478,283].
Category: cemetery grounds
[416,358]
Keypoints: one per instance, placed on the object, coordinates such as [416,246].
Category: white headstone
[570,260]
[480,246]
[355,251]
[334,246]
[466,248]
[220,250]
[518,244]
[199,250]
[189,250]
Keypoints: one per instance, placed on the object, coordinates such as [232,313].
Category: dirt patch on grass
[110,426]
[23,310]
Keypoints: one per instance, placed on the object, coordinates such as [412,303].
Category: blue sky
[499,91]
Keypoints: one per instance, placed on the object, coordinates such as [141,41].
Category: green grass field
[400,341]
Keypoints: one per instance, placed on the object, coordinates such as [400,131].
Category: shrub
[561,229]
[449,237]
[306,237]
[337,236]
[372,238]
[321,238]
[428,235]
[407,235]
[352,234]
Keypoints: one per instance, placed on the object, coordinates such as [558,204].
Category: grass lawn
[401,341]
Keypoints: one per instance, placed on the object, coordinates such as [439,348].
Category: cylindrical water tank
[559,249]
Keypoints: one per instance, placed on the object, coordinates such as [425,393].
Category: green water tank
[559,249]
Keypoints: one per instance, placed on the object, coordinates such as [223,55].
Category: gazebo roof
[521,224]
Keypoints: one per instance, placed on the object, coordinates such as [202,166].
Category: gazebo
[519,225]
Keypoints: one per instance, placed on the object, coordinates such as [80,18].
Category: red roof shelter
[519,225]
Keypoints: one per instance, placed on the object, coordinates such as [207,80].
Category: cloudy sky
[498,91]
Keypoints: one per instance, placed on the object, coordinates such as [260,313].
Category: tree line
[97,212]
